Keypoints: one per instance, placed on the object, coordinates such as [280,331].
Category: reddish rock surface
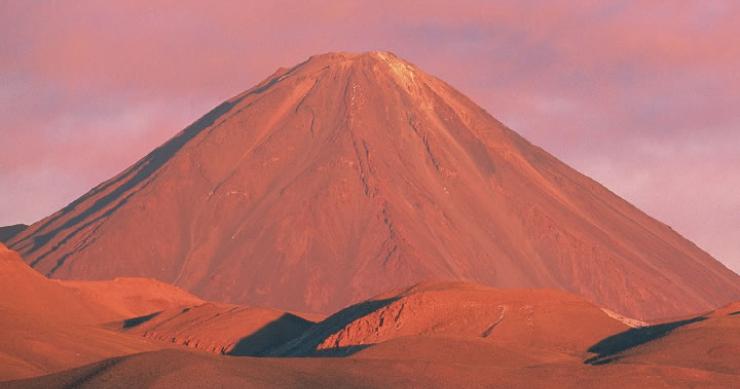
[88,302]
[709,342]
[434,347]
[351,174]
[8,232]
[222,328]
[551,320]
[50,325]
[447,334]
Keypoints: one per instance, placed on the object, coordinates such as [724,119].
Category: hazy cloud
[642,96]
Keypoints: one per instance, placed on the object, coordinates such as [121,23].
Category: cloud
[642,96]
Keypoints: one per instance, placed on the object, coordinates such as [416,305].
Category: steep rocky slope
[551,320]
[221,328]
[351,174]
[50,325]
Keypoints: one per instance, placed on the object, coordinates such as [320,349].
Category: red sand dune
[25,290]
[223,328]
[709,342]
[181,369]
[49,325]
[432,346]
[131,297]
[351,174]
[547,319]
[430,335]
[33,345]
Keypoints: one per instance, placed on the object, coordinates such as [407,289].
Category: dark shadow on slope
[145,167]
[141,171]
[131,177]
[8,232]
[338,352]
[306,344]
[272,335]
[607,349]
[734,313]
[136,321]
[88,373]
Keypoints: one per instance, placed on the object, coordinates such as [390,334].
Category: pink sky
[642,96]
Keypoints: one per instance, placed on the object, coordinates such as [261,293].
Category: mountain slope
[181,369]
[51,325]
[543,319]
[351,174]
[710,342]
[26,291]
[8,232]
[222,328]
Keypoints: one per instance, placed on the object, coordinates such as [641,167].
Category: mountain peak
[372,63]
[343,56]
[350,174]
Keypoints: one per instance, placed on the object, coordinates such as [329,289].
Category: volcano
[352,174]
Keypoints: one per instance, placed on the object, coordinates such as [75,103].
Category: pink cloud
[640,95]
